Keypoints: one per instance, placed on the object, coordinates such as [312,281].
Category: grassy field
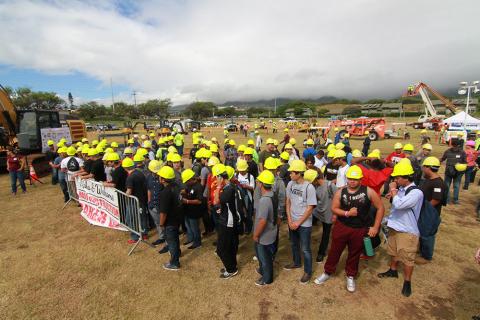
[53,265]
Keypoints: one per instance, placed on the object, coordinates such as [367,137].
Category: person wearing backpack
[265,231]
[71,165]
[171,216]
[301,200]
[246,184]
[404,233]
[408,150]
[454,156]
[224,204]
[434,191]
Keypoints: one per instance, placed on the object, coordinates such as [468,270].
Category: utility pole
[134,94]
[113,101]
[275,107]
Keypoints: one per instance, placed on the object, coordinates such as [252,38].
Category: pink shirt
[471,157]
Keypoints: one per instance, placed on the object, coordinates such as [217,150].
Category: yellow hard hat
[147,144]
[478,132]
[248,151]
[79,149]
[130,141]
[60,144]
[92,152]
[127,163]
[142,151]
[84,140]
[100,149]
[285,156]
[367,132]
[408,147]
[241,148]
[172,149]
[397,145]
[226,141]
[195,141]
[292,141]
[113,156]
[298,166]
[138,157]
[218,169]
[199,153]
[461,167]
[339,146]
[357,153]
[288,146]
[152,135]
[242,165]
[50,142]
[84,150]
[374,155]
[309,142]
[310,175]
[207,154]
[275,142]
[402,168]
[250,142]
[331,147]
[340,154]
[431,162]
[269,141]
[114,145]
[143,137]
[167,173]
[346,135]
[427,146]
[175,157]
[354,172]
[71,151]
[62,150]
[335,129]
[213,139]
[266,177]
[213,161]
[285,130]
[154,166]
[208,143]
[94,142]
[128,150]
[231,142]
[230,172]
[271,163]
[213,147]
[187,175]
[331,153]
[423,131]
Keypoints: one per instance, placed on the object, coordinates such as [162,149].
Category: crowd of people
[247,190]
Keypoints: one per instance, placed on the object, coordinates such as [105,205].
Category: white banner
[99,204]
[54,134]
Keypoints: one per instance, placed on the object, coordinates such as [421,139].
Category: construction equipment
[431,119]
[357,127]
[21,128]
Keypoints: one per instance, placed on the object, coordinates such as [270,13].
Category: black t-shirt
[138,183]
[359,199]
[194,192]
[253,169]
[331,171]
[434,189]
[119,178]
[87,165]
[170,205]
[98,170]
[50,155]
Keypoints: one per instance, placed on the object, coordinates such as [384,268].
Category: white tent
[462,120]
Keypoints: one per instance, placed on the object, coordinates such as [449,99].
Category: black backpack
[429,219]
[73,165]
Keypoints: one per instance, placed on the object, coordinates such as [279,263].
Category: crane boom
[8,113]
[423,89]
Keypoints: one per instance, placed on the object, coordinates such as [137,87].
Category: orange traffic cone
[33,175]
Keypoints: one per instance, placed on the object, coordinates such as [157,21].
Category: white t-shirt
[320,163]
[301,196]
[244,179]
[63,165]
[342,176]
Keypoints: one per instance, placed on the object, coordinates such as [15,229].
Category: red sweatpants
[343,236]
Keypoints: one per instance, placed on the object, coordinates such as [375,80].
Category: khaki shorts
[403,246]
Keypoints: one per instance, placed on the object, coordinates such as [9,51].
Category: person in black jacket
[228,221]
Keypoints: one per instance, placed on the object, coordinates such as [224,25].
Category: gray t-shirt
[325,193]
[265,211]
[301,196]
[204,173]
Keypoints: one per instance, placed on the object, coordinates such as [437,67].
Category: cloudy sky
[222,50]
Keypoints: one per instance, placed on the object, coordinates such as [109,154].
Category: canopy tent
[461,121]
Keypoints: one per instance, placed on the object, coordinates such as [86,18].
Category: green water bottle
[367,243]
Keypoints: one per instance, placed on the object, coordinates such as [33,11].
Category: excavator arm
[8,115]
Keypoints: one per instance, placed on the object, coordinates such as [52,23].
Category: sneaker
[163,250]
[350,284]
[228,275]
[193,246]
[320,280]
[261,283]
[255,258]
[171,267]
[407,288]
[320,258]
[305,278]
[132,241]
[291,266]
[158,242]
[388,274]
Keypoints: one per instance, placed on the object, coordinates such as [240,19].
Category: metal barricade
[133,217]
[72,189]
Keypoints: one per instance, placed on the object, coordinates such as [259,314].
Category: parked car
[210,124]
[231,127]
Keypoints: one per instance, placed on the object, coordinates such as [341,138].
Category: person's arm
[149,195]
[311,204]
[22,164]
[444,156]
[129,191]
[358,160]
[261,225]
[378,204]
[306,214]
[216,193]
[336,210]
[477,256]
[408,201]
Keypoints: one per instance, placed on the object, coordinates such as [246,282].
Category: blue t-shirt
[61,174]
[309,152]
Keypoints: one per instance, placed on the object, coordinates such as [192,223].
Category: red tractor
[357,127]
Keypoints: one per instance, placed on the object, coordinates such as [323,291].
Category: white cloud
[224,50]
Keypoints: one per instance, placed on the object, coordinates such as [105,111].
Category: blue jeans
[173,243]
[180,149]
[54,176]
[427,244]
[63,186]
[193,231]
[265,255]
[456,186]
[468,177]
[14,175]
[300,239]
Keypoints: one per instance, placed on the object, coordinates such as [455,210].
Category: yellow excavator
[21,129]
